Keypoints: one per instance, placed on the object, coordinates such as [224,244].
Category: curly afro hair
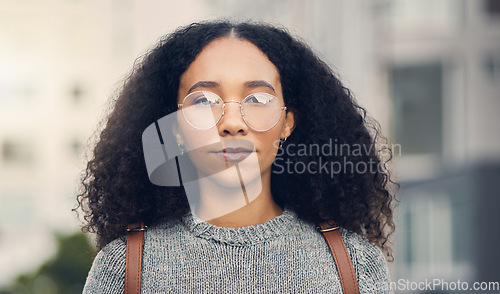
[116,187]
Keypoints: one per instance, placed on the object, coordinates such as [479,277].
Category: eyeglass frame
[180,106]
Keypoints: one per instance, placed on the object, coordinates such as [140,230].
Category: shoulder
[369,263]
[107,274]
[361,249]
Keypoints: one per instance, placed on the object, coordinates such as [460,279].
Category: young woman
[267,144]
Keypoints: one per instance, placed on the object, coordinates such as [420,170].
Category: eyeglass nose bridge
[234,101]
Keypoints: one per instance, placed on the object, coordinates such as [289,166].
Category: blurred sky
[428,71]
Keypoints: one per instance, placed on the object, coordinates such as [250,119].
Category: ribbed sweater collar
[242,236]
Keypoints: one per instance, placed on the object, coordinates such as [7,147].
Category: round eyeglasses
[204,109]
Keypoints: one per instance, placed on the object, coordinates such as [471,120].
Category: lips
[233,154]
[235,150]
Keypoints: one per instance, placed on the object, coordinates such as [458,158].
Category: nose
[232,122]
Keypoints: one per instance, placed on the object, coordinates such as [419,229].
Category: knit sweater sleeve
[369,264]
[107,274]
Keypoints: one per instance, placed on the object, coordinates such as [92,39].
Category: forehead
[230,60]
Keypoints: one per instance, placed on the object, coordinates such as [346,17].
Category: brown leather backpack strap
[135,244]
[341,256]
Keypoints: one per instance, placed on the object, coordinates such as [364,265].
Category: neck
[259,211]
[238,206]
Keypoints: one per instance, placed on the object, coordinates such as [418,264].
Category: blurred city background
[427,70]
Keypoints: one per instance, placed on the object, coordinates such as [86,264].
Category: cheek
[268,144]
[271,138]
[193,138]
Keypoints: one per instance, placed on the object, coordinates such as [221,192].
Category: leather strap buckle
[326,229]
[144,228]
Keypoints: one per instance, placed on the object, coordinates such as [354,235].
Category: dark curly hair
[116,188]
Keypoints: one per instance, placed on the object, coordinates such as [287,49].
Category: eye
[259,99]
[202,101]
[205,100]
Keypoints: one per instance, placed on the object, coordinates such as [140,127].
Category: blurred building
[427,70]
[60,63]
[442,60]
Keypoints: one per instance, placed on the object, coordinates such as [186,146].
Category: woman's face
[233,69]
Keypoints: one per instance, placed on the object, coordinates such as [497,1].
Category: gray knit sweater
[282,255]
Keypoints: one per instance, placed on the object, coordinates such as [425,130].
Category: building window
[491,67]
[492,7]
[76,147]
[17,152]
[417,92]
[77,93]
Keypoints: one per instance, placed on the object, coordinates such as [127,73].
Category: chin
[236,177]
[225,191]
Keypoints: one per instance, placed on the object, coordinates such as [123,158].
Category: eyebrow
[204,84]
[259,83]
[248,84]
